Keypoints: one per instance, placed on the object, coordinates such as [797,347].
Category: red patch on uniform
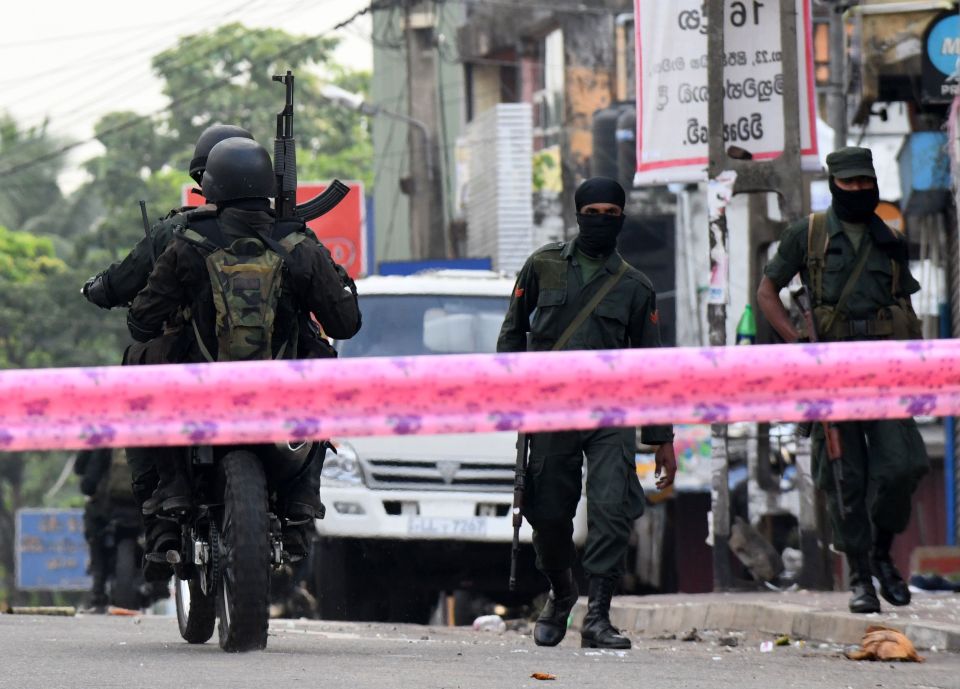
[655,317]
[518,292]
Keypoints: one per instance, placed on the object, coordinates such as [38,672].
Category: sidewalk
[930,621]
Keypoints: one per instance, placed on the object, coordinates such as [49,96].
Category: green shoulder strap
[865,245]
[605,288]
[817,241]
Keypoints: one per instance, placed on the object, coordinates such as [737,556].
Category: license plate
[445,526]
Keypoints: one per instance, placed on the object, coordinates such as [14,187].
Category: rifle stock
[831,431]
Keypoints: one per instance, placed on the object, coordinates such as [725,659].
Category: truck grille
[396,474]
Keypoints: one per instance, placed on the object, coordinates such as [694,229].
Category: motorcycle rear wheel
[243,593]
[196,611]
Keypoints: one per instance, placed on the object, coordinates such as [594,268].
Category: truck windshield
[410,325]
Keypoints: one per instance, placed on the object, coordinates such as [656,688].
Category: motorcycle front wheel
[243,595]
[196,610]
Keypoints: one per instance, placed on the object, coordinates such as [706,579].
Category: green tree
[32,187]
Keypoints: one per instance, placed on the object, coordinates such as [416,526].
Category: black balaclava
[598,233]
[854,206]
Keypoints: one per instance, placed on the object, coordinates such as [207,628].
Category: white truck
[411,517]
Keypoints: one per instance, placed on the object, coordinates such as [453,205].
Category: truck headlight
[341,468]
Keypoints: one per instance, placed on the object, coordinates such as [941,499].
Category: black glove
[96,292]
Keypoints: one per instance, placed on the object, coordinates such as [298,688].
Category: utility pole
[781,175]
[424,185]
[836,95]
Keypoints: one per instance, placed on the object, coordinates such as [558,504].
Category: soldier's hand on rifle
[666,465]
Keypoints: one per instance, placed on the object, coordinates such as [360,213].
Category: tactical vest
[895,322]
[246,282]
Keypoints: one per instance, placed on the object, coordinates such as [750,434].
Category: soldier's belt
[861,328]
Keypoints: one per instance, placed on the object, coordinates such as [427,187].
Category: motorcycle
[232,539]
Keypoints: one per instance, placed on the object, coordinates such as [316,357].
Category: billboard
[52,554]
[342,230]
[672,93]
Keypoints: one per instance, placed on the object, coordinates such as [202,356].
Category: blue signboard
[52,553]
[940,79]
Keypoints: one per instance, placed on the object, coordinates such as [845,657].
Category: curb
[796,621]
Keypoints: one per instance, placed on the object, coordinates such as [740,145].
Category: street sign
[342,230]
[940,75]
[51,552]
[672,92]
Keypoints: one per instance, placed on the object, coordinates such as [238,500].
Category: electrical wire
[195,94]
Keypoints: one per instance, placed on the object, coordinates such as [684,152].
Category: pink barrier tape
[255,402]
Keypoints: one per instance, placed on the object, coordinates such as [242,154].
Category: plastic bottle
[747,327]
[490,623]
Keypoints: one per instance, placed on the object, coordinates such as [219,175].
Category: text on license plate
[446,526]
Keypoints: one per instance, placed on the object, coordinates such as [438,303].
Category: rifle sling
[605,288]
[865,246]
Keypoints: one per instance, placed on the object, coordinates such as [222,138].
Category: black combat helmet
[210,137]
[238,169]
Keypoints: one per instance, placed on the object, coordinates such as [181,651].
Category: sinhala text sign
[51,551]
[672,97]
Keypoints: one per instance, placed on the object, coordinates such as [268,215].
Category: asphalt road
[106,652]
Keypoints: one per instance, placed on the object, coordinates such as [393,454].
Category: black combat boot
[892,586]
[597,630]
[303,505]
[864,598]
[551,626]
[172,495]
[161,536]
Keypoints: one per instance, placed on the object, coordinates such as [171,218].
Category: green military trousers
[143,460]
[614,497]
[883,462]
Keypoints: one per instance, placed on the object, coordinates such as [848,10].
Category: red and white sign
[672,93]
[341,230]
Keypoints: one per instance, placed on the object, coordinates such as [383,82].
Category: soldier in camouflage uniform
[555,289]
[858,273]
[239,180]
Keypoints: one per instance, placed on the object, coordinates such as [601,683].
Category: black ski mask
[598,233]
[854,206]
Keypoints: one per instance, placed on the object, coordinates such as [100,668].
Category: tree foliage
[50,243]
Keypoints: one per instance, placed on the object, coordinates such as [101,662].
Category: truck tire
[343,585]
[243,596]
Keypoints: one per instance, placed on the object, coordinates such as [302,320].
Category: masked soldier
[117,286]
[857,270]
[238,181]
[583,295]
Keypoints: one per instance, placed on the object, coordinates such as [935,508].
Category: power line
[197,93]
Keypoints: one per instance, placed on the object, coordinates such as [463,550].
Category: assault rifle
[519,487]
[831,432]
[285,168]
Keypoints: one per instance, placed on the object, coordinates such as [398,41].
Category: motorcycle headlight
[341,468]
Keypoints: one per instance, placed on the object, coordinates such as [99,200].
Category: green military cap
[851,161]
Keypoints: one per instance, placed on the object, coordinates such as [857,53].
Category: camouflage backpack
[246,277]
